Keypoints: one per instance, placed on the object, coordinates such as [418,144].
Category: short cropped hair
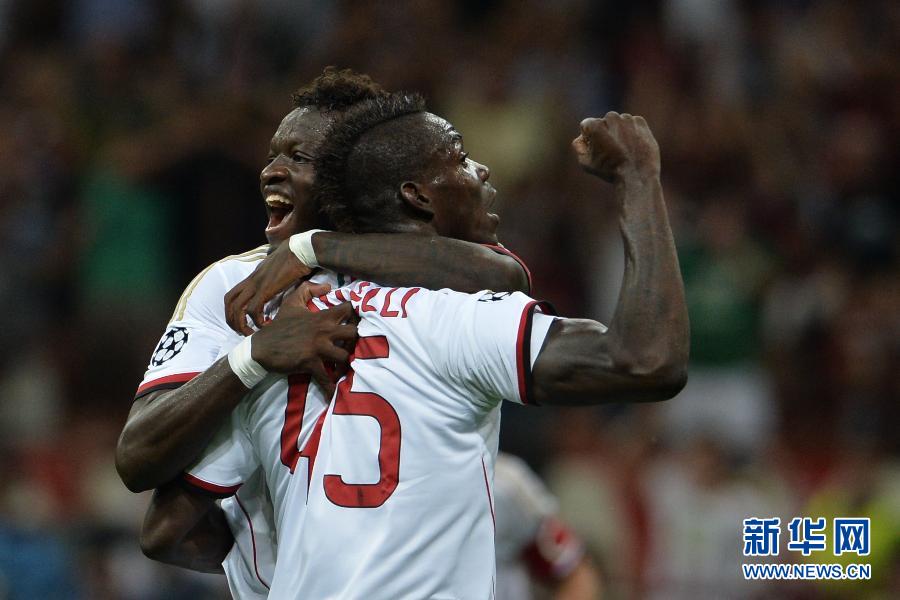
[337,89]
[365,158]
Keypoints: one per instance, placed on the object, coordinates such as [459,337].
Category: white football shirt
[195,338]
[399,502]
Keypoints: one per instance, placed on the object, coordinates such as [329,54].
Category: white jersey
[195,338]
[399,503]
[531,541]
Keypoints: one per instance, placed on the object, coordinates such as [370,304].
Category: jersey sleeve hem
[208,488]
[503,250]
[523,350]
[169,382]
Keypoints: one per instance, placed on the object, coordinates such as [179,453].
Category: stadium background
[133,132]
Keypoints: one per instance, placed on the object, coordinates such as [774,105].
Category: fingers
[341,312]
[335,354]
[256,309]
[314,290]
[235,304]
[319,374]
[346,334]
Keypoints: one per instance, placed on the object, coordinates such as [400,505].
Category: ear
[416,197]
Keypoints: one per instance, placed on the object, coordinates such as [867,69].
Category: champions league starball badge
[170,345]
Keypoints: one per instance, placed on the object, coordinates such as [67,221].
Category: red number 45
[349,402]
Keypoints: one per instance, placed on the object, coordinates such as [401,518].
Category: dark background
[131,137]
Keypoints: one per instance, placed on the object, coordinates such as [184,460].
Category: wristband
[241,362]
[301,246]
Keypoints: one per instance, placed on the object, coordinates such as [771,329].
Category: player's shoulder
[238,265]
[218,278]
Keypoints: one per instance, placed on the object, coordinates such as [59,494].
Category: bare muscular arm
[401,259]
[166,431]
[186,529]
[643,355]
[429,261]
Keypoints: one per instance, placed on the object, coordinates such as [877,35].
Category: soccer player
[533,543]
[190,387]
[396,499]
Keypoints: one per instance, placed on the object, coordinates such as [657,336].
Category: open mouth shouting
[279,207]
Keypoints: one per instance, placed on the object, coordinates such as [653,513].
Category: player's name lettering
[387,302]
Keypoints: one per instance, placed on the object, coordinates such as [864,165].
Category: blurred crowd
[132,133]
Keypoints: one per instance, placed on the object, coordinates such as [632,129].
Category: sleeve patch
[172,343]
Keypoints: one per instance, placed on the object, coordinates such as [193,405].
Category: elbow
[127,466]
[658,378]
[155,541]
[669,382]
[153,546]
[159,538]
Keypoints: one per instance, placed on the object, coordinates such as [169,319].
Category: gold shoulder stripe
[249,256]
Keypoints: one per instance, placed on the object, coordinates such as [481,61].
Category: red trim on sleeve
[503,250]
[523,349]
[221,491]
[167,382]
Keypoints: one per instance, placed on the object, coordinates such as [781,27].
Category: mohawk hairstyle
[366,157]
[337,89]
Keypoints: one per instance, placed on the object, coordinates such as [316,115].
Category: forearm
[406,259]
[642,355]
[167,431]
[205,546]
[185,529]
[650,324]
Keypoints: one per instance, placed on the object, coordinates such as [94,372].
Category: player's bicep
[579,365]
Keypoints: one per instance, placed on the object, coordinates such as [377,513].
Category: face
[287,178]
[458,189]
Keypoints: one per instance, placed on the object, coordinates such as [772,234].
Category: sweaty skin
[166,431]
[643,354]
[398,259]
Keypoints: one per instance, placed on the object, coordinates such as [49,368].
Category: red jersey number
[349,402]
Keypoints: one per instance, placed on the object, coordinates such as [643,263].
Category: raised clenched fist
[617,145]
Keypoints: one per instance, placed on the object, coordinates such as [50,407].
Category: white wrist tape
[241,362]
[301,246]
